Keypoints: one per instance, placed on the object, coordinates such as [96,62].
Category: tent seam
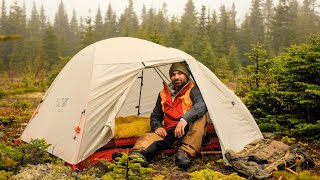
[86,107]
[147,61]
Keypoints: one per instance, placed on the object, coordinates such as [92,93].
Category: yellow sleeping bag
[131,126]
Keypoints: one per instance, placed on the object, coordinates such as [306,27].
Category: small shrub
[22,104]
[288,140]
[9,157]
[35,152]
[308,130]
[6,120]
[22,154]
[126,168]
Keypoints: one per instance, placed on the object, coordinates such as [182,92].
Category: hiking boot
[116,154]
[183,160]
[135,155]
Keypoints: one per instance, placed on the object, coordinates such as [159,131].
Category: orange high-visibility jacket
[187,103]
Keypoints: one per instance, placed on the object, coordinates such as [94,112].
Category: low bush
[7,120]
[22,154]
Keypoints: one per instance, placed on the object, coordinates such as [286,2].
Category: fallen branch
[211,152]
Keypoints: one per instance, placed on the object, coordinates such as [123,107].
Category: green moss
[211,174]
[4,175]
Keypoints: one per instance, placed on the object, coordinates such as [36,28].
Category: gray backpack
[261,157]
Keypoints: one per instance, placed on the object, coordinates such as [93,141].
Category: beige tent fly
[121,77]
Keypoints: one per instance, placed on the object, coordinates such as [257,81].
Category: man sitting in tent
[178,119]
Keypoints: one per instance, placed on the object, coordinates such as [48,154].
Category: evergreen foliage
[283,93]
[217,39]
[22,154]
[126,167]
[88,35]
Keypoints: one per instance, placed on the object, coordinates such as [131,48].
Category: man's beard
[178,85]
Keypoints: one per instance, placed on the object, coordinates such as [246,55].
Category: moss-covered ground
[16,110]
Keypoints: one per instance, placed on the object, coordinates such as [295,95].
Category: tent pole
[159,74]
[141,84]
[162,74]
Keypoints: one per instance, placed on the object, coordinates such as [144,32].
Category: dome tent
[121,77]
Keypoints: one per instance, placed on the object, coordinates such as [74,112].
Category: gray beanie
[179,67]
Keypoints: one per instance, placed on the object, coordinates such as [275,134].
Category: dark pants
[164,144]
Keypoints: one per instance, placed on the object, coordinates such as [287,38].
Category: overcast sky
[84,7]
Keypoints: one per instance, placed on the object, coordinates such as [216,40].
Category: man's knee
[145,141]
[192,141]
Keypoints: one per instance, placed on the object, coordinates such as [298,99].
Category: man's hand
[179,131]
[161,132]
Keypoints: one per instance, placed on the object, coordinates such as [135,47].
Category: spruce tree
[110,23]
[234,61]
[256,22]
[3,17]
[213,29]
[128,21]
[162,20]
[74,33]
[174,37]
[4,59]
[308,20]
[222,40]
[87,36]
[98,26]
[43,19]
[299,87]
[283,22]
[50,47]
[17,25]
[61,29]
[189,22]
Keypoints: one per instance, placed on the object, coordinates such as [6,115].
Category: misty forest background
[272,55]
